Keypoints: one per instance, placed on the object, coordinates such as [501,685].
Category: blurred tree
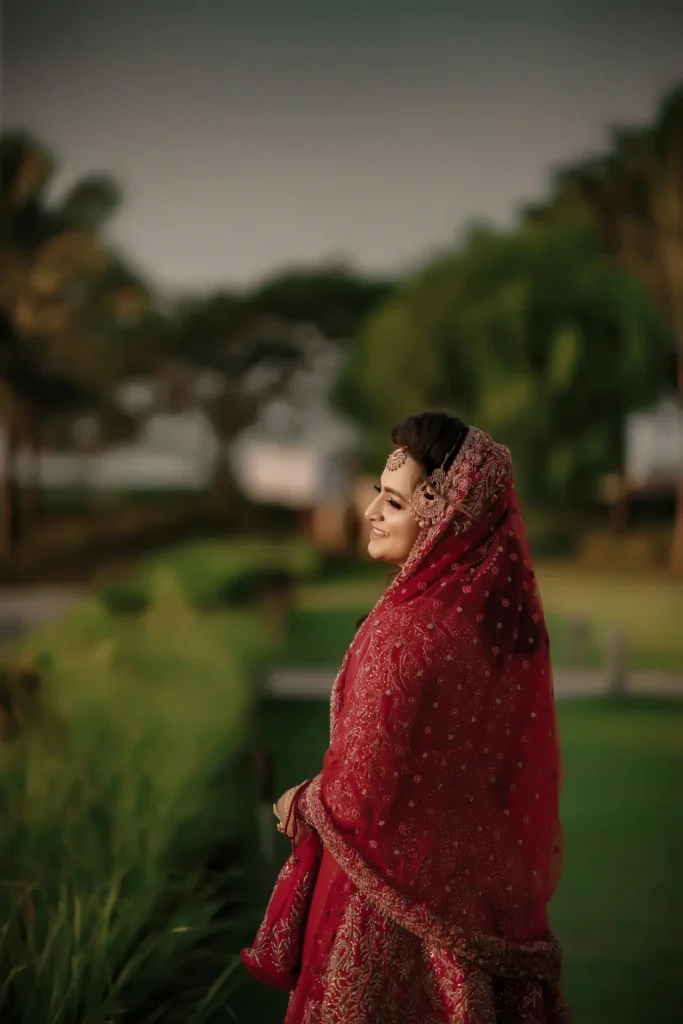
[256,341]
[251,356]
[332,298]
[634,196]
[63,302]
[532,335]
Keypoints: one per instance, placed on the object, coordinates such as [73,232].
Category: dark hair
[430,437]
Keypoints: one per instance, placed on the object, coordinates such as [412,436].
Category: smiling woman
[423,445]
[429,845]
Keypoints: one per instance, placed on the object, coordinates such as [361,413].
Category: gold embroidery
[480,473]
[375,973]
[276,940]
[538,959]
[378,973]
[466,991]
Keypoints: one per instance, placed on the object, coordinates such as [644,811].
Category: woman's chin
[377,549]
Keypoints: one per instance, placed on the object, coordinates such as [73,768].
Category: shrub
[216,574]
[109,911]
[124,597]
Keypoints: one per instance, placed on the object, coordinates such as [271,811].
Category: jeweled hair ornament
[430,500]
[397,458]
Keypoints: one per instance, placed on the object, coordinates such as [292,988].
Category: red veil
[438,795]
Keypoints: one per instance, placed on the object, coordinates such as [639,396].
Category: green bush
[109,912]
[216,574]
[251,586]
[124,597]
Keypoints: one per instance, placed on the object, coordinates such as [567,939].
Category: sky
[255,135]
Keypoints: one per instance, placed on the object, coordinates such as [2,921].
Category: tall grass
[113,802]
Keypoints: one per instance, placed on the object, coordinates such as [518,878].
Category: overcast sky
[255,134]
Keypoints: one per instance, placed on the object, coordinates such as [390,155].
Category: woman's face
[394,529]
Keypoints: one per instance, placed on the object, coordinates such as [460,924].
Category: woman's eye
[390,501]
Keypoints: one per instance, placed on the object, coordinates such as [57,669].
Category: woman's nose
[373,509]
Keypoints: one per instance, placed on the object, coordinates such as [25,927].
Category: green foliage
[332,297]
[61,287]
[258,339]
[124,596]
[532,335]
[632,194]
[109,911]
[216,574]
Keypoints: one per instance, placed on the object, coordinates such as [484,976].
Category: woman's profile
[429,845]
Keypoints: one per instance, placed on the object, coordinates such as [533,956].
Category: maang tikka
[397,458]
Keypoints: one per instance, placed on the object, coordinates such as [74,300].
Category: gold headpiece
[397,458]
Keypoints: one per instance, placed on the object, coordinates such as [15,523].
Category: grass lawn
[620,905]
[619,910]
[650,608]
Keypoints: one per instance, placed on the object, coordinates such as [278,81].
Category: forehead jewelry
[397,458]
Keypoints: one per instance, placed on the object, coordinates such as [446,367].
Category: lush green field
[648,607]
[619,909]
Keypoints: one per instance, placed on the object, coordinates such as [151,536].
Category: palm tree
[634,196]
[61,295]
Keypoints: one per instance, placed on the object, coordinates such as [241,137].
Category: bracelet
[289,800]
[289,797]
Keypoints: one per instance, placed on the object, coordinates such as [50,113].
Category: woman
[437,802]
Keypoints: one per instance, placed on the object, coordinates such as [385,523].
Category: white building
[654,445]
[298,453]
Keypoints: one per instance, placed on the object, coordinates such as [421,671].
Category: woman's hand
[297,829]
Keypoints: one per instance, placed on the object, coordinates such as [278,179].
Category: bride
[429,845]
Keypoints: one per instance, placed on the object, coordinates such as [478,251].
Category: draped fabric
[361,967]
[438,796]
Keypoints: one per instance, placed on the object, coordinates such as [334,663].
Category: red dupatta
[439,792]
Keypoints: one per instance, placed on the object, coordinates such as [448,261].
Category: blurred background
[238,242]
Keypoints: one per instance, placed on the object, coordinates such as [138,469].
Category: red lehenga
[437,803]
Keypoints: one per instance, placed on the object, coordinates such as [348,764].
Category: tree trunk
[5,510]
[9,489]
[676,552]
[29,491]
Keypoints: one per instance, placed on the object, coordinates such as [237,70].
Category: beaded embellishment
[397,458]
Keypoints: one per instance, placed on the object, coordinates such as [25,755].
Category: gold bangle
[289,799]
[280,827]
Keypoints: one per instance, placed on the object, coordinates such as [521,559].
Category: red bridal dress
[420,893]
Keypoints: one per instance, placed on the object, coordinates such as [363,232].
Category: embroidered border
[539,959]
